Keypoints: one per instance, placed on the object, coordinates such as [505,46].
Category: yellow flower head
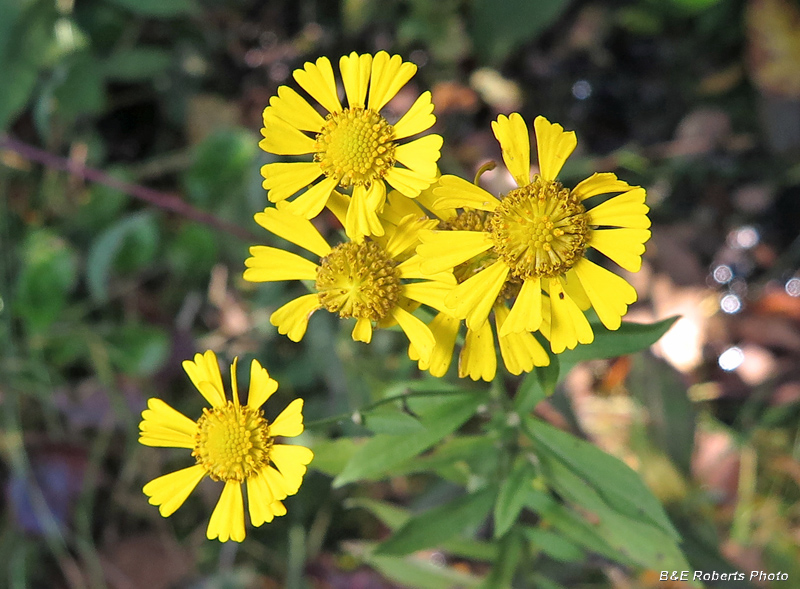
[232,443]
[353,147]
[478,359]
[366,280]
[534,239]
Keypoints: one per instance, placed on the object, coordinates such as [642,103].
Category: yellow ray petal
[205,368]
[418,118]
[293,108]
[276,482]
[227,519]
[554,146]
[398,206]
[574,289]
[625,210]
[427,199]
[259,500]
[444,250]
[362,332]
[445,330]
[283,180]
[355,71]
[624,246]
[261,385]
[429,293]
[408,182]
[599,183]
[270,264]
[312,201]
[338,204]
[290,422]
[282,138]
[417,332]
[526,314]
[420,155]
[406,234]
[412,268]
[291,462]
[388,76]
[520,351]
[568,324]
[473,298]
[317,79]
[514,139]
[235,383]
[295,229]
[292,318]
[478,359]
[610,294]
[457,193]
[278,509]
[171,490]
[159,415]
[362,218]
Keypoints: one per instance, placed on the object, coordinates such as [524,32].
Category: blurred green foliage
[102,296]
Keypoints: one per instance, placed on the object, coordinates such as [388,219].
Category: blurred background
[129,175]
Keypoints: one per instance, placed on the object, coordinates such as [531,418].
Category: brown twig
[162,200]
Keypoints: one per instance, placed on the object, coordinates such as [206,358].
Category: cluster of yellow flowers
[438,241]
[413,238]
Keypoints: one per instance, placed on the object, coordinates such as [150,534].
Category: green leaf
[619,486]
[384,451]
[512,496]
[621,538]
[48,276]
[82,91]
[192,253]
[439,524]
[628,339]
[392,421]
[500,27]
[510,549]
[639,541]
[137,63]
[139,350]
[548,375]
[672,415]
[529,393]
[542,582]
[424,385]
[419,573]
[132,235]
[27,44]
[159,8]
[393,517]
[553,545]
[222,164]
[331,456]
[572,526]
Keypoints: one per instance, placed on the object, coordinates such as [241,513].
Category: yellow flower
[478,360]
[232,443]
[365,280]
[537,235]
[354,146]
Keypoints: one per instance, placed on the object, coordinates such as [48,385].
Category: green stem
[344,416]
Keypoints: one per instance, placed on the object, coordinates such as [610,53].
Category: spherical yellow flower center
[232,443]
[358,280]
[540,229]
[474,220]
[355,146]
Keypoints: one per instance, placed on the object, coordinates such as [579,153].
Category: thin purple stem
[168,202]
